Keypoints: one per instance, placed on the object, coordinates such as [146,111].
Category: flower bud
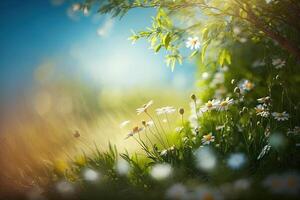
[237,90]
[193,97]
[232,81]
[181,111]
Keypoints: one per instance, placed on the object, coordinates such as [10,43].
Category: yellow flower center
[208,137]
[224,103]
[209,104]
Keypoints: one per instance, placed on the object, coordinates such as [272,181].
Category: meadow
[234,134]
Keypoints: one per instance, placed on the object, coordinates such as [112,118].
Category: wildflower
[122,166]
[181,111]
[207,139]
[177,191]
[280,116]
[76,134]
[236,160]
[193,97]
[261,110]
[205,158]
[125,123]
[193,43]
[165,110]
[144,108]
[91,175]
[264,151]
[246,86]
[223,105]
[278,63]
[210,105]
[264,100]
[135,130]
[161,171]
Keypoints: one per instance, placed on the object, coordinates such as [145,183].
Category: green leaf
[157,48]
[166,40]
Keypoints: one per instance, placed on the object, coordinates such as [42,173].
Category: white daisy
[207,139]
[165,110]
[265,100]
[281,116]
[91,175]
[134,131]
[223,105]
[210,105]
[193,43]
[261,110]
[144,108]
[161,171]
[246,85]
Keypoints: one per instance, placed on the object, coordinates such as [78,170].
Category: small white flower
[207,139]
[205,158]
[246,86]
[193,43]
[264,100]
[210,105]
[125,123]
[165,110]
[161,171]
[144,108]
[278,63]
[281,116]
[236,30]
[177,191]
[122,166]
[134,131]
[236,160]
[261,110]
[223,105]
[91,175]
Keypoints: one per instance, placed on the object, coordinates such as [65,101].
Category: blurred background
[64,72]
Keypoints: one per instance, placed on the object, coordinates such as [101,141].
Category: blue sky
[36,31]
